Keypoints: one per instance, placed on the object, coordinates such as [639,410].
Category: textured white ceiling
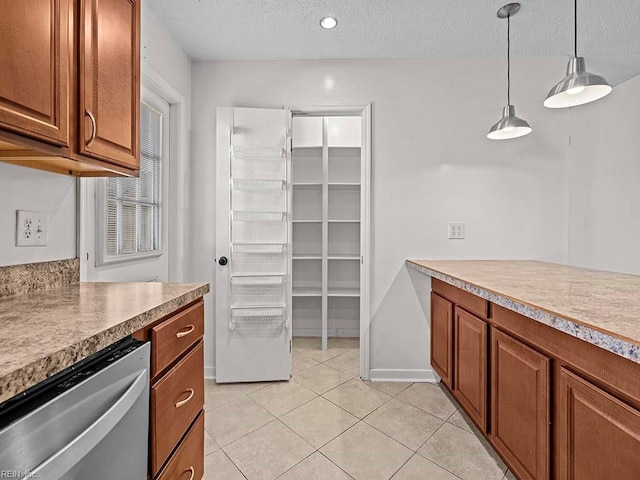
[609,31]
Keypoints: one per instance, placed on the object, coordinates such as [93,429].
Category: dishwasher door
[92,424]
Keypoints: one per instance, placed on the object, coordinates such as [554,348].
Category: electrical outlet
[456,230]
[31,229]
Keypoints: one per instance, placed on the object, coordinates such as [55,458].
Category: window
[133,205]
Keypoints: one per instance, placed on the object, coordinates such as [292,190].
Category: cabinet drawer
[175,401]
[174,336]
[188,461]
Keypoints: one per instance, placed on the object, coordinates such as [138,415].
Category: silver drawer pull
[184,333]
[192,470]
[190,391]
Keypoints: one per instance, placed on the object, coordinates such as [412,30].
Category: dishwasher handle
[67,457]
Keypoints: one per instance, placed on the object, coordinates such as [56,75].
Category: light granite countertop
[602,308]
[43,332]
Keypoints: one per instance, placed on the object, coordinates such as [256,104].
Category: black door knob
[223,261]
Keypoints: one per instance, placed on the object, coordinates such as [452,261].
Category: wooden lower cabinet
[188,461]
[597,435]
[176,424]
[470,365]
[176,400]
[520,406]
[554,407]
[442,338]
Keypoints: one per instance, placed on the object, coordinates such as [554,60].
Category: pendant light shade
[579,86]
[510,125]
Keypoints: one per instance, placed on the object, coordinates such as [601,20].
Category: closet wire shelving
[258,239]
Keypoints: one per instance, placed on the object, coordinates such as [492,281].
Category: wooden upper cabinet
[597,435]
[442,338]
[109,108]
[470,365]
[520,406]
[35,49]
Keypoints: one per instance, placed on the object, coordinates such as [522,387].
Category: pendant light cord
[575,28]
[509,60]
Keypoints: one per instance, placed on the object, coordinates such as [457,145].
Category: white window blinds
[133,204]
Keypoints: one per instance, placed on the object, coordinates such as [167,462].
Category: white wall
[604,182]
[26,189]
[163,55]
[431,164]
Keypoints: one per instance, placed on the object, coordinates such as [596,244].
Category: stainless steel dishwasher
[87,423]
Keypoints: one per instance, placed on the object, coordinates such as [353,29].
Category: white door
[253,315]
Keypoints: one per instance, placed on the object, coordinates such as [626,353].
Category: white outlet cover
[31,228]
[456,230]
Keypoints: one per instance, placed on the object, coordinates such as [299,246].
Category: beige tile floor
[327,424]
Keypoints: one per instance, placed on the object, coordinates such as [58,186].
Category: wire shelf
[257,317]
[259,232]
[257,291]
[259,263]
[257,185]
[243,152]
[254,216]
[258,280]
[258,248]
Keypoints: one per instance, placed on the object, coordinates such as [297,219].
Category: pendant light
[579,86]
[510,125]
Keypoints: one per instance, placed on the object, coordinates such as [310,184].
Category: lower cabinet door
[188,461]
[598,436]
[176,400]
[470,365]
[442,338]
[520,406]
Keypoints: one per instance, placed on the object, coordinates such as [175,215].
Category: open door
[253,317]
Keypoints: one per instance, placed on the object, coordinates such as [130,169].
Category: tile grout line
[333,463]
[233,463]
[400,468]
[433,461]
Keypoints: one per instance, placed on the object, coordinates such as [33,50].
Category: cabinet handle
[190,391]
[192,471]
[92,138]
[184,333]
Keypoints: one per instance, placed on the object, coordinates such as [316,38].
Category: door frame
[364,112]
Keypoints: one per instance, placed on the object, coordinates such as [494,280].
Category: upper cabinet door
[34,69]
[109,109]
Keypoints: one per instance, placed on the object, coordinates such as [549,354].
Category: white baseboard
[390,375]
[210,373]
[317,332]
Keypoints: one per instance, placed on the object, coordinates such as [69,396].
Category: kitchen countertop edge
[27,376]
[622,346]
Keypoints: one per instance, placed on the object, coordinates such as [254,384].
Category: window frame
[102,255]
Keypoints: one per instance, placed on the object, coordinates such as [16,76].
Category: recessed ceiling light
[328,23]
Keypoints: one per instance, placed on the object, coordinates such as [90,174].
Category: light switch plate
[456,230]
[31,229]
